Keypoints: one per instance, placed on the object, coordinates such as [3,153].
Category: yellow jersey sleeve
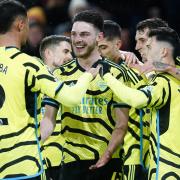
[157,91]
[153,95]
[67,95]
[125,93]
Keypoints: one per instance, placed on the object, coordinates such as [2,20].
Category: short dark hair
[151,23]
[168,35]
[111,30]
[91,17]
[9,11]
[51,41]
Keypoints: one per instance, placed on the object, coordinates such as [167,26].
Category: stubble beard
[87,53]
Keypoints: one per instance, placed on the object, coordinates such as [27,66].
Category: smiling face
[57,54]
[83,37]
[141,40]
[61,53]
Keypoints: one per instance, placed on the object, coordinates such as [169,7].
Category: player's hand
[94,71]
[106,157]
[105,68]
[98,62]
[146,68]
[129,58]
[155,66]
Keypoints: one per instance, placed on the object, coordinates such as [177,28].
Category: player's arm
[50,108]
[70,96]
[116,138]
[132,97]
[67,95]
[48,122]
[153,95]
[174,72]
[161,67]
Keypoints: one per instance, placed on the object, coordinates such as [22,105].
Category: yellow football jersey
[162,95]
[87,127]
[22,78]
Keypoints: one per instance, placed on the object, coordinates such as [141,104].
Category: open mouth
[79,47]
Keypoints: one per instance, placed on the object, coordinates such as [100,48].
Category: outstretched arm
[161,67]
[132,97]
[70,96]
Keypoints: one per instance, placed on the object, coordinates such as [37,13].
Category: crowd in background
[94,117]
[54,17]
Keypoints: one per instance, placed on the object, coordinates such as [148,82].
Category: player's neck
[51,67]
[87,62]
[117,58]
[9,39]
[169,61]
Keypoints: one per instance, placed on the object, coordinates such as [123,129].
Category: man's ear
[164,52]
[47,53]
[100,36]
[119,43]
[20,24]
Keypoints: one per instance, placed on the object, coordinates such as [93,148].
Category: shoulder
[67,67]
[118,70]
[21,58]
[114,65]
[160,80]
[135,77]
[165,77]
[31,62]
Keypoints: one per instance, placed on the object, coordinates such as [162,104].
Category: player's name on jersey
[3,68]
[84,109]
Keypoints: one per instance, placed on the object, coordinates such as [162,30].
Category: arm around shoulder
[72,95]
[132,97]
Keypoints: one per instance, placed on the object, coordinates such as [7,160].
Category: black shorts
[79,170]
[52,173]
[135,172]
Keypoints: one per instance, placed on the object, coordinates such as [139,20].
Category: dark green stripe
[15,55]
[168,150]
[45,76]
[20,144]
[83,132]
[96,154]
[28,64]
[88,120]
[59,88]
[17,133]
[75,156]
[130,150]
[109,112]
[20,160]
